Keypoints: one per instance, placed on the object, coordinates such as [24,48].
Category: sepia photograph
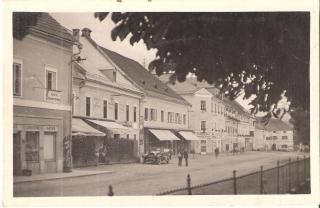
[160,103]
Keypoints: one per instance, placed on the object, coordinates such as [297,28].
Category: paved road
[141,179]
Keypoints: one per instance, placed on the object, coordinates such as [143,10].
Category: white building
[273,135]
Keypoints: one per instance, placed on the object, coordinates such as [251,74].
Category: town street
[142,179]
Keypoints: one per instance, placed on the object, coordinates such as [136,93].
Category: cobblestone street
[142,179]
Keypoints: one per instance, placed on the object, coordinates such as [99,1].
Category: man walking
[180,158]
[185,155]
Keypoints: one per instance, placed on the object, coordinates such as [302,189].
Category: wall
[36,54]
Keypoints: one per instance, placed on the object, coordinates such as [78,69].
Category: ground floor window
[49,143]
[32,146]
[203,146]
[227,147]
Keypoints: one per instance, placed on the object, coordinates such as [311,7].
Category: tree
[260,54]
[300,119]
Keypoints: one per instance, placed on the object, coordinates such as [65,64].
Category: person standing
[180,158]
[185,155]
[216,152]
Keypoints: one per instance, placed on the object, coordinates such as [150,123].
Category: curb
[56,178]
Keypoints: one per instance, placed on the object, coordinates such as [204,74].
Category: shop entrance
[16,154]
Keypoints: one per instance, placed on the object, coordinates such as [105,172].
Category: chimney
[86,32]
[75,34]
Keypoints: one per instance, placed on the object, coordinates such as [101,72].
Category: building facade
[105,99]
[273,135]
[41,97]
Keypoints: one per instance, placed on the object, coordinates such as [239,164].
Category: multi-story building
[157,112]
[106,99]
[41,97]
[206,117]
[273,134]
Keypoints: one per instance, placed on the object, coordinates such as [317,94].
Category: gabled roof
[48,25]
[273,124]
[147,82]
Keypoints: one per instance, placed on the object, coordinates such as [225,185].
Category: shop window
[49,146]
[32,146]
[105,109]
[17,79]
[116,136]
[284,137]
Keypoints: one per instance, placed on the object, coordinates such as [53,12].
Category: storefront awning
[110,125]
[79,127]
[164,135]
[188,135]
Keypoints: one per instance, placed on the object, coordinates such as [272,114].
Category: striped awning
[188,135]
[164,135]
[80,128]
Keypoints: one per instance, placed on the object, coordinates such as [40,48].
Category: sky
[101,33]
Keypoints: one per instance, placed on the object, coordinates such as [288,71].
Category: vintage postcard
[161,103]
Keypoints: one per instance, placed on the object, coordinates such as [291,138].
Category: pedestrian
[185,155]
[97,157]
[216,152]
[180,158]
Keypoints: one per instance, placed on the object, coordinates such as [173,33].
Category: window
[135,137]
[284,131]
[134,114]
[268,138]
[203,105]
[127,112]
[275,137]
[114,76]
[170,117]
[32,146]
[215,108]
[128,136]
[203,126]
[88,106]
[274,131]
[184,119]
[284,137]
[105,109]
[16,79]
[49,145]
[116,136]
[51,80]
[153,114]
[146,114]
[115,111]
[211,107]
[177,118]
[162,116]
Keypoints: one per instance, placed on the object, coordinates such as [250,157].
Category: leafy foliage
[261,54]
[300,119]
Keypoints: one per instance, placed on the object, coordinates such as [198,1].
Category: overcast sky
[101,33]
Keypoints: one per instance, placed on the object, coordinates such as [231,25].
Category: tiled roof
[148,82]
[47,24]
[190,85]
[273,124]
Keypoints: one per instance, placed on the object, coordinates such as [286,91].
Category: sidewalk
[76,172]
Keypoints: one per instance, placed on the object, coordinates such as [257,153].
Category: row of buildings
[74,99]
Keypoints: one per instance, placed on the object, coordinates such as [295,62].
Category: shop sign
[32,128]
[53,94]
[50,128]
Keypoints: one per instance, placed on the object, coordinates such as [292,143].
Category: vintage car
[156,157]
